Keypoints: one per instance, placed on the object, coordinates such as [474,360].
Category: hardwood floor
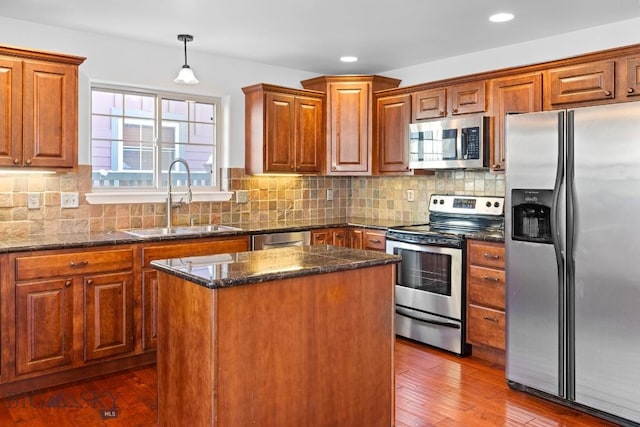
[432,389]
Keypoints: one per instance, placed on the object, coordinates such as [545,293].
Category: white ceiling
[311,35]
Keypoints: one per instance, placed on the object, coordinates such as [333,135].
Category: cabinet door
[468,98]
[429,104]
[321,237]
[339,237]
[580,83]
[309,136]
[44,325]
[10,112]
[279,132]
[520,94]
[108,310]
[149,309]
[49,136]
[633,77]
[349,128]
[375,240]
[393,116]
[356,238]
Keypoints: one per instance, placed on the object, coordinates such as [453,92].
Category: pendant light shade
[186,76]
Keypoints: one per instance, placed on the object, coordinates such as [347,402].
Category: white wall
[622,33]
[124,61]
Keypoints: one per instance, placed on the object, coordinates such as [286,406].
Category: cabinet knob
[16,161]
[630,90]
[67,284]
[454,110]
[333,168]
[27,162]
[607,93]
[441,113]
[90,282]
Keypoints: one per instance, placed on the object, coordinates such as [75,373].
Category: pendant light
[186,76]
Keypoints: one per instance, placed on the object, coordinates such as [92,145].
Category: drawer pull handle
[490,319]
[490,256]
[375,241]
[492,279]
[67,284]
[78,264]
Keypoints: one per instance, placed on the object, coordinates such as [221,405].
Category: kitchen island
[283,337]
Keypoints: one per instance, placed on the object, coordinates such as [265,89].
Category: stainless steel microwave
[458,143]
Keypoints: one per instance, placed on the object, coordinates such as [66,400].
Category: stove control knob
[442,201]
[496,204]
[488,204]
[435,201]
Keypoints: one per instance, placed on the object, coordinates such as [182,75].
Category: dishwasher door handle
[282,244]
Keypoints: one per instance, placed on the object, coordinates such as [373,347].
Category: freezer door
[533,356]
[607,258]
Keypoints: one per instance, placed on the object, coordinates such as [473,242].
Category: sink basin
[180,230]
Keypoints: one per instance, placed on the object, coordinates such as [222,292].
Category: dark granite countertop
[85,240]
[243,268]
[487,236]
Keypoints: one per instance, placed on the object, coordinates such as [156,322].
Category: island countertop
[243,268]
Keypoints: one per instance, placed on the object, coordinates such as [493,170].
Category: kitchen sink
[180,230]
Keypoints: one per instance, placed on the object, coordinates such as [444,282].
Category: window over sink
[137,133]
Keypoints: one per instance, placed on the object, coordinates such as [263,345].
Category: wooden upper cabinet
[39,106]
[392,140]
[578,84]
[632,69]
[468,98]
[429,104]
[284,130]
[517,94]
[457,99]
[349,109]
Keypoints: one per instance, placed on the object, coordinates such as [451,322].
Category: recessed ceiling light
[348,58]
[501,17]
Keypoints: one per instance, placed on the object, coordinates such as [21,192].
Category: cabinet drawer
[486,327]
[488,254]
[72,263]
[486,287]
[374,240]
[194,248]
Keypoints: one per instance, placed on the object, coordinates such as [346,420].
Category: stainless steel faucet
[189,194]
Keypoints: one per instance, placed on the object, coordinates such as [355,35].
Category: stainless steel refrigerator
[572,235]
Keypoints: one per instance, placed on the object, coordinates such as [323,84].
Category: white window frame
[112,195]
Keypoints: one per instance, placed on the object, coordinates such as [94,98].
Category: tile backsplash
[270,198]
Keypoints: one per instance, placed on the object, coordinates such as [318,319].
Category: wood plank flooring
[433,388]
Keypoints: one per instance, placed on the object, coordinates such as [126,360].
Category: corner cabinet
[284,130]
[40,110]
[513,94]
[349,120]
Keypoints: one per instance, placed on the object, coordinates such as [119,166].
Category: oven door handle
[433,322]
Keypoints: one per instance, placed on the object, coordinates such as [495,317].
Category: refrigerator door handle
[568,296]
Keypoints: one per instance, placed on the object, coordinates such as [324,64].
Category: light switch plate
[69,200]
[329,193]
[411,195]
[33,200]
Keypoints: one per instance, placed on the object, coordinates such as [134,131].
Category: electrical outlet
[411,196]
[69,200]
[33,201]
[329,193]
[242,196]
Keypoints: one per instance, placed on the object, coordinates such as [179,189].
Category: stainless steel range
[430,288]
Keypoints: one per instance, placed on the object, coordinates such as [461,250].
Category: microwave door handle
[465,144]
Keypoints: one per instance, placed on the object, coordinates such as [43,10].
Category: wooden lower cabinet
[486,300]
[44,325]
[367,238]
[330,236]
[166,250]
[82,313]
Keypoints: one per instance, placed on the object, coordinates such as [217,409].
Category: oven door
[429,278]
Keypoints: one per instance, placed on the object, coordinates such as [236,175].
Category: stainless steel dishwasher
[280,240]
